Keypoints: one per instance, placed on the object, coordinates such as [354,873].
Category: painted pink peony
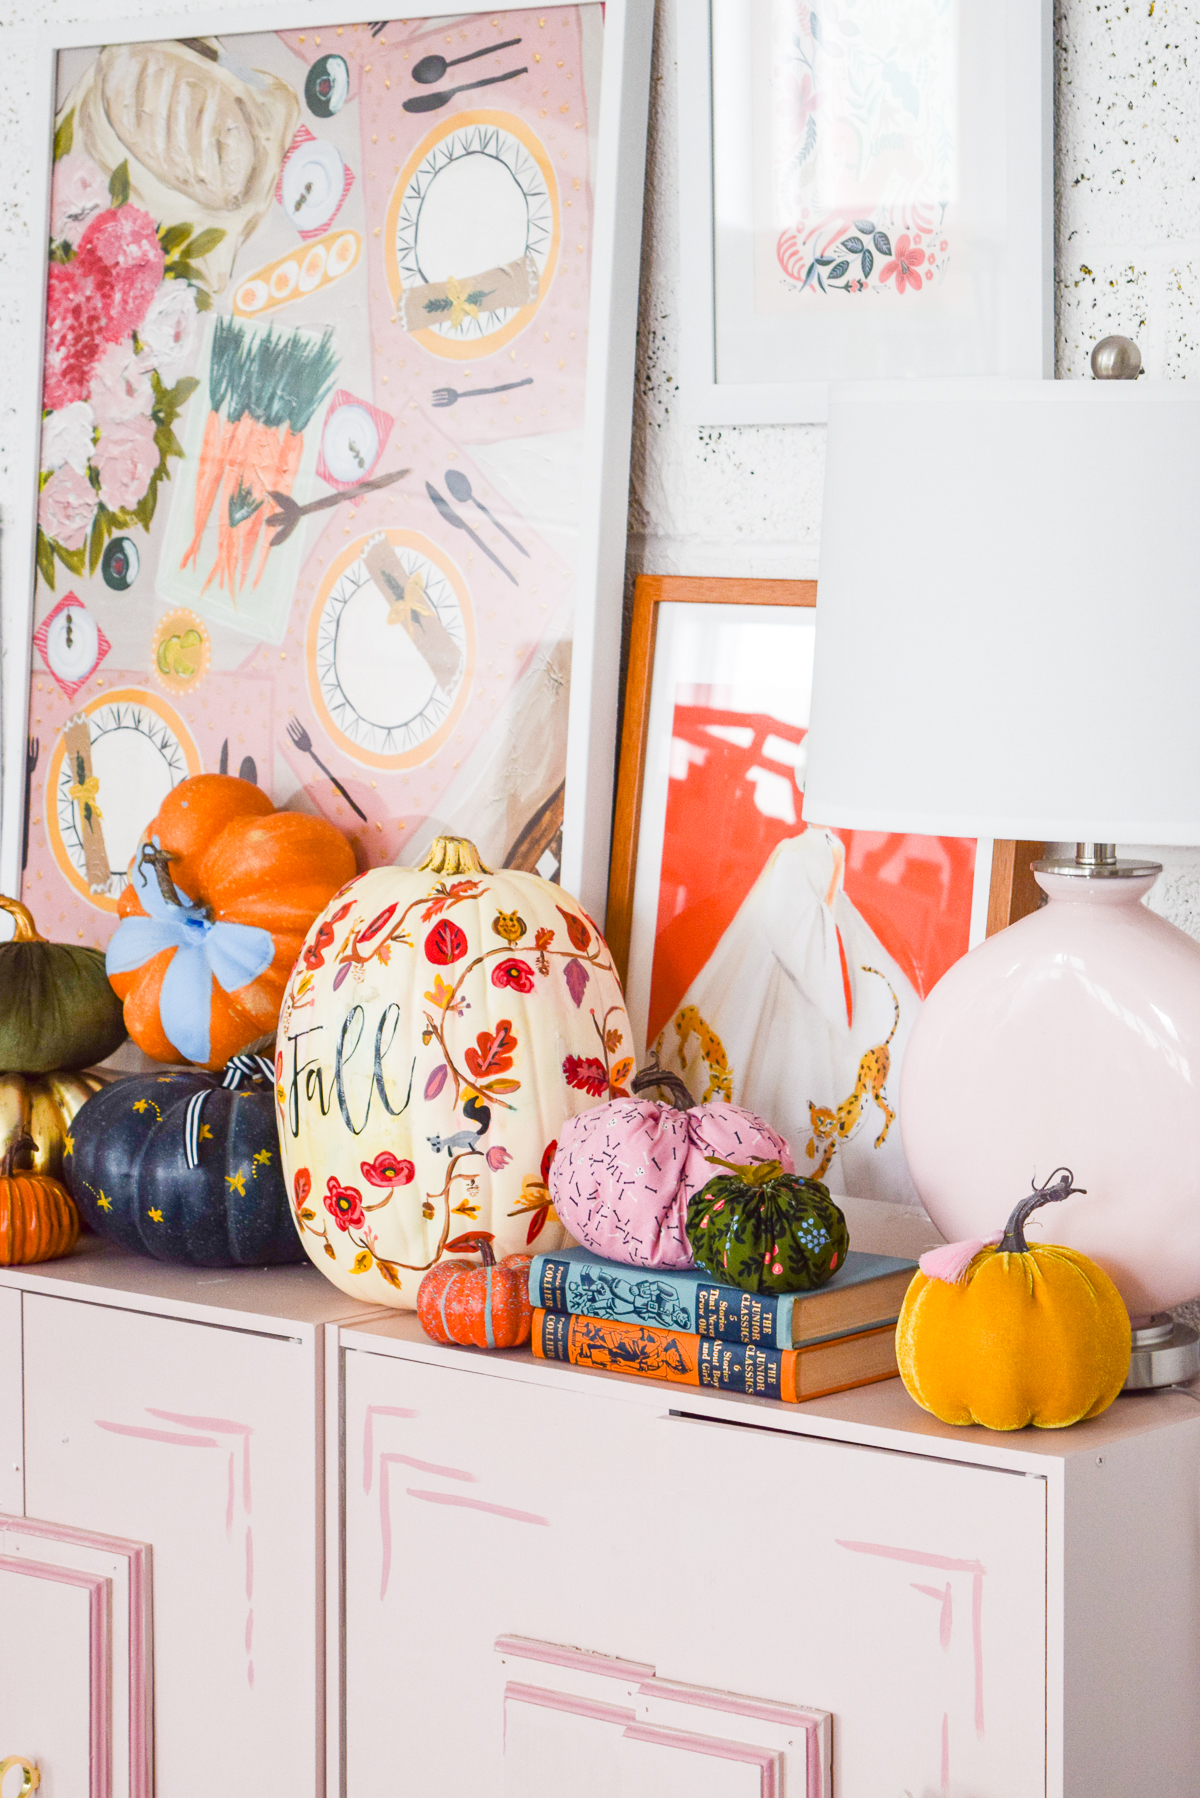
[120,390]
[125,458]
[122,245]
[80,192]
[77,302]
[66,507]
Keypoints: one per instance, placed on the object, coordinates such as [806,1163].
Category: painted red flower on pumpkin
[514,974]
[904,265]
[344,1205]
[587,1074]
[302,1186]
[445,943]
[388,1170]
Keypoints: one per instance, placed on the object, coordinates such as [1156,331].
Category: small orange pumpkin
[38,1219]
[222,890]
[485,1307]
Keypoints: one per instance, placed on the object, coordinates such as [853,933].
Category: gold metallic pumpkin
[42,1106]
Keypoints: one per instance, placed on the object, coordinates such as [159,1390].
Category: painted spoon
[432,68]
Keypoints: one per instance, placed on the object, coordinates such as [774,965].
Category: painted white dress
[798,991]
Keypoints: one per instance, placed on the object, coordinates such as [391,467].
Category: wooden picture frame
[730,947]
[1013,891]
[544,796]
[996,315]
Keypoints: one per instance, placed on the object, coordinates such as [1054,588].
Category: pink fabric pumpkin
[624,1172]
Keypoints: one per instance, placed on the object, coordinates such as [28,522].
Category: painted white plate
[72,644]
[140,750]
[376,692]
[313,185]
[477,199]
[350,443]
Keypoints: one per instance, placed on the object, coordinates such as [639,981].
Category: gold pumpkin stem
[452,855]
[24,928]
[1057,1187]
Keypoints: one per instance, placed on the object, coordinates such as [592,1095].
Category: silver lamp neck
[1097,861]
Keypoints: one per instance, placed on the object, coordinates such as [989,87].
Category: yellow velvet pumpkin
[1004,1335]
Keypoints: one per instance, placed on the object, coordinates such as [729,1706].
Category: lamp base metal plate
[1165,1353]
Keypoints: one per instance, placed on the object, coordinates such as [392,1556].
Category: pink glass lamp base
[1070,1039]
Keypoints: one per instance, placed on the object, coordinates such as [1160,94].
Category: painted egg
[350,443]
[313,185]
[284,280]
[343,254]
[312,268]
[252,296]
[328,86]
[120,564]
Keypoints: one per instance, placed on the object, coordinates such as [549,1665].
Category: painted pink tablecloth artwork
[310,454]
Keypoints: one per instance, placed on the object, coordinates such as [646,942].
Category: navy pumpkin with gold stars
[185,1167]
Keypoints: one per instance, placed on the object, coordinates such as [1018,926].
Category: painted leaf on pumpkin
[389,1273]
[494,1051]
[500,1086]
[445,943]
[577,930]
[362,1262]
[577,977]
[620,1071]
[436,1081]
[613,1041]
[454,894]
[587,1074]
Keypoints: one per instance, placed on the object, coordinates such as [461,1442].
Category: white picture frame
[770,383]
[611,324]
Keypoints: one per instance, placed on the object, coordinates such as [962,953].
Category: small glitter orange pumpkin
[485,1307]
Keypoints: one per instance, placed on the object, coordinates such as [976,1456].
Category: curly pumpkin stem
[656,1078]
[476,1244]
[452,855]
[24,928]
[754,1174]
[21,1144]
[160,860]
[1057,1187]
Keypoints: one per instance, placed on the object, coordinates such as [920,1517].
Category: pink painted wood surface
[126,1567]
[12,1411]
[203,1442]
[597,1463]
[99,1688]
[686,1742]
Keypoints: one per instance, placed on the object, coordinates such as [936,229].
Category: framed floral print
[771,960]
[329,434]
[871,186]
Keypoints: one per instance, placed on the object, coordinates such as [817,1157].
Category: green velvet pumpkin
[762,1230]
[57,1009]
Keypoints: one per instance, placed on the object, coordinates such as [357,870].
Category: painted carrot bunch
[264,388]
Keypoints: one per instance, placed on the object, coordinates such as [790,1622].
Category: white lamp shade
[1009,611]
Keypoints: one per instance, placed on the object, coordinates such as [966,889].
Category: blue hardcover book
[865,1293]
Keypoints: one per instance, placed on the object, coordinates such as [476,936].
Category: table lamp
[1009,647]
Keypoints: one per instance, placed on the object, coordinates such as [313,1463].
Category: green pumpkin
[762,1230]
[57,1009]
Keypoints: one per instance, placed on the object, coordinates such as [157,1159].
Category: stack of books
[679,1324]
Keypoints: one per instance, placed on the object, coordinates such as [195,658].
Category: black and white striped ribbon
[242,1067]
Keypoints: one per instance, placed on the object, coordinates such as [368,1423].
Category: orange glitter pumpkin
[223,889]
[483,1307]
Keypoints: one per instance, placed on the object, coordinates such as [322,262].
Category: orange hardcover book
[792,1375]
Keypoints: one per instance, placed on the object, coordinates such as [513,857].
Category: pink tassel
[951,1261]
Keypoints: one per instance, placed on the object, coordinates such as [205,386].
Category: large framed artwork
[866,190]
[329,441]
[771,960]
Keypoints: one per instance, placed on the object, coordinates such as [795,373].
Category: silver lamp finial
[1116,359]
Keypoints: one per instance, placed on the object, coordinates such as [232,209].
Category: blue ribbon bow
[233,955]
